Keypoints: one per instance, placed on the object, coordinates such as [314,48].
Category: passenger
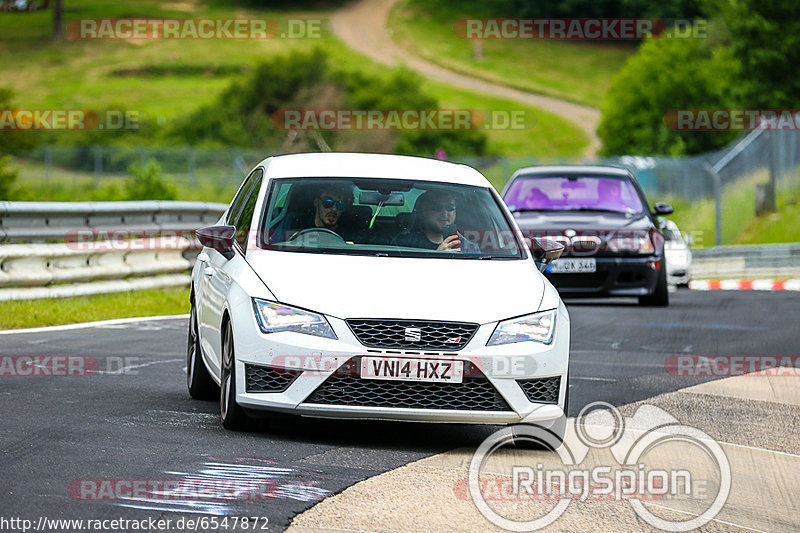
[433,225]
[536,199]
[609,194]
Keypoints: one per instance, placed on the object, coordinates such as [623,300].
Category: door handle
[208,271]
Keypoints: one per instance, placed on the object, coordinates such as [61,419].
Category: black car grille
[595,280]
[542,390]
[267,379]
[347,388]
[448,336]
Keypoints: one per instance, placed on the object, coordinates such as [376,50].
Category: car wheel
[198,380]
[660,296]
[233,416]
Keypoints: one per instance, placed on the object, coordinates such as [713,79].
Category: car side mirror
[688,238]
[662,209]
[220,238]
[544,251]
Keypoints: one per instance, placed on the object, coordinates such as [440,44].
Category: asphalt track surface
[142,425]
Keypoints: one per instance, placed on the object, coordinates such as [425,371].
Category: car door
[216,280]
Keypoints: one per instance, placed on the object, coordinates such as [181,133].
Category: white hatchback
[375,287]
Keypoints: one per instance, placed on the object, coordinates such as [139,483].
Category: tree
[665,74]
[765,39]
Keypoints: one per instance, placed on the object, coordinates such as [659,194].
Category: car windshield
[387,217]
[573,193]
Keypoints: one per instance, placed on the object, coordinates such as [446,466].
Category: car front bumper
[615,276]
[313,360]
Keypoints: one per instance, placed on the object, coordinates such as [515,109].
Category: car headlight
[274,317]
[537,327]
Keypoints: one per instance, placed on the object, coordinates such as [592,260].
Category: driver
[328,205]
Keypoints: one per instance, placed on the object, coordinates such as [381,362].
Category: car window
[245,218]
[571,193]
[386,217]
[239,199]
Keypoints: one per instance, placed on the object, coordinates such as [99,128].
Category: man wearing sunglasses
[327,205]
[433,225]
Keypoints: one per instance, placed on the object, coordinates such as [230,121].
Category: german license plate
[569,266]
[403,369]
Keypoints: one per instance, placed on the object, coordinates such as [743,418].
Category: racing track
[141,424]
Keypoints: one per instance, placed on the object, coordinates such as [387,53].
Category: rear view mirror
[377,197]
[662,209]
[220,238]
[544,251]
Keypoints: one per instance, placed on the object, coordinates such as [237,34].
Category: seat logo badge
[413,334]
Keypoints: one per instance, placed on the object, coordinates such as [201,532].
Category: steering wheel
[306,231]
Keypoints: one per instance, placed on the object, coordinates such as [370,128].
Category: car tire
[198,380]
[232,414]
[660,296]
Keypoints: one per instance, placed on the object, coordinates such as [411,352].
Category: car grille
[347,388]
[594,280]
[412,334]
[543,390]
[267,379]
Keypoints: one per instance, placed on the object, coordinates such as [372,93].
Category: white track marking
[81,325]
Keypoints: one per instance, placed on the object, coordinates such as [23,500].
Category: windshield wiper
[598,210]
[529,209]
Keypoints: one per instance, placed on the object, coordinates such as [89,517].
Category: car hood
[578,221]
[347,286]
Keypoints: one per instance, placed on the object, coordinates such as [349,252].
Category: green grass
[166,79]
[54,311]
[576,71]
[739,222]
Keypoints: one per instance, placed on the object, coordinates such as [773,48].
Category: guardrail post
[717,185]
[98,164]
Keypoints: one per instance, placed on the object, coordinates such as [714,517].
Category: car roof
[355,165]
[602,170]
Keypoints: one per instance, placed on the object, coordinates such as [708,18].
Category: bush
[241,116]
[665,74]
[148,184]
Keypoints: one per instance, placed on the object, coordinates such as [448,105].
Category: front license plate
[402,369]
[569,266]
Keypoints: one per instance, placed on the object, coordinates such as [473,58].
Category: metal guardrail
[53,221]
[762,261]
[137,256]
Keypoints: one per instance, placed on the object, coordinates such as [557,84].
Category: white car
[325,291]
[678,255]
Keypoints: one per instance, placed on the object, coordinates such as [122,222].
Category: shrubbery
[241,115]
[147,183]
[665,74]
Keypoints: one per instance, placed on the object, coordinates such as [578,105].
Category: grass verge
[577,71]
[56,311]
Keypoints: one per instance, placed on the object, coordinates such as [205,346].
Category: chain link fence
[716,195]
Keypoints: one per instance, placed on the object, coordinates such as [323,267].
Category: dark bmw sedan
[613,244]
